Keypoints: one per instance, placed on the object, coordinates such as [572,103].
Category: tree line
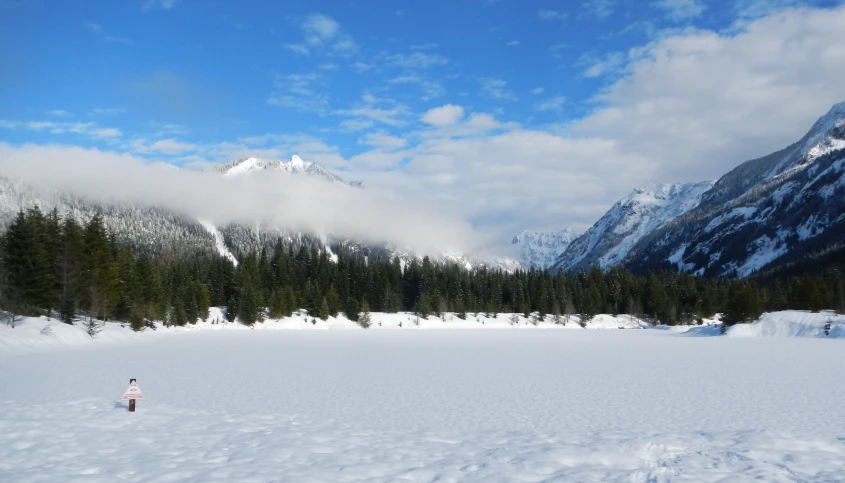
[57,266]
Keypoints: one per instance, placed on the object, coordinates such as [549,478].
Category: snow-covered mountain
[295,166]
[780,207]
[540,249]
[610,239]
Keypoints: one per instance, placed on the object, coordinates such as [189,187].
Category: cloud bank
[276,199]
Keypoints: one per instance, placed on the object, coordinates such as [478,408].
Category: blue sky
[463,101]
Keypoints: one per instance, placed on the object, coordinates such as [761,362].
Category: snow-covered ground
[792,323]
[428,405]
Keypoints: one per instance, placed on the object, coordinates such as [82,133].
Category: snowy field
[438,405]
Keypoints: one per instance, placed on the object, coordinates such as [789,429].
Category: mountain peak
[296,165]
[296,161]
[827,134]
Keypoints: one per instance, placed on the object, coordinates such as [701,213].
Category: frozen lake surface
[495,405]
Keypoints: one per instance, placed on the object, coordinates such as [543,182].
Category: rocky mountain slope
[610,239]
[786,205]
[539,250]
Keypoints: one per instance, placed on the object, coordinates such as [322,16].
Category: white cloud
[556,50]
[94,27]
[298,92]
[361,67]
[356,124]
[444,115]
[431,89]
[699,102]
[497,89]
[118,40]
[512,43]
[162,146]
[300,49]
[552,104]
[59,113]
[427,46]
[537,91]
[104,133]
[679,10]
[383,141]
[385,111]
[89,129]
[552,15]
[107,110]
[600,9]
[610,63]
[324,33]
[164,4]
[416,60]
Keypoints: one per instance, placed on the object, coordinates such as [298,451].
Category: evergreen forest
[57,266]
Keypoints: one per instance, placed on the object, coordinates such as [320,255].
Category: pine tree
[278,304]
[324,310]
[365,318]
[333,302]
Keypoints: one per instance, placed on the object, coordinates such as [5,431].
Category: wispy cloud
[552,15]
[352,125]
[431,89]
[298,92]
[537,91]
[163,4]
[607,64]
[416,60]
[552,104]
[118,40]
[556,51]
[427,46]
[680,10]
[89,129]
[385,111]
[512,43]
[361,67]
[97,111]
[322,33]
[98,29]
[497,89]
[59,113]
[162,146]
[300,49]
[383,141]
[600,9]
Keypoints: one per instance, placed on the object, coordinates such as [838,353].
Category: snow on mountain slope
[295,166]
[610,239]
[220,242]
[781,206]
[540,249]
[149,227]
